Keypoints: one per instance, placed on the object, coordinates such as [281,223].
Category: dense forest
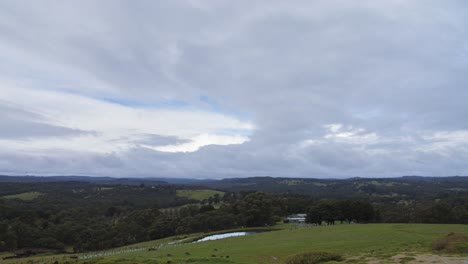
[82,215]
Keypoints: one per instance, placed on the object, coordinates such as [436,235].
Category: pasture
[27,196]
[357,243]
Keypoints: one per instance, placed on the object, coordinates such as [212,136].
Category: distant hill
[100,180]
[406,186]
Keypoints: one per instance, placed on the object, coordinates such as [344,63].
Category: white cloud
[333,127]
[350,134]
[116,128]
[200,141]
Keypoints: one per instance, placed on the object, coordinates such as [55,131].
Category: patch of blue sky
[167,104]
[214,106]
[208,103]
[212,103]
[76,90]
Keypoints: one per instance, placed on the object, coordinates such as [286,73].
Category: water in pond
[225,235]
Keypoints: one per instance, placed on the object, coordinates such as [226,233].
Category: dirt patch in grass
[427,258]
[412,259]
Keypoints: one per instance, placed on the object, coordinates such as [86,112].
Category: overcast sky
[214,89]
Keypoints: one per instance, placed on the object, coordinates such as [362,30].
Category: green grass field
[198,194]
[27,196]
[357,243]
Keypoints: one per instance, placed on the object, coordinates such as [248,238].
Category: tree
[7,238]
[206,208]
[256,209]
[216,198]
[314,215]
[362,211]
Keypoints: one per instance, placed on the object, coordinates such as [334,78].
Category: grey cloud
[15,129]
[394,68]
[22,124]
[158,140]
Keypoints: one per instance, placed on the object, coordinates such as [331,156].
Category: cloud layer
[234,88]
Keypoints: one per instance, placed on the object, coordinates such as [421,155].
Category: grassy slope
[198,194]
[371,240]
[27,196]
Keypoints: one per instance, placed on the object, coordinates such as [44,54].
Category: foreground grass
[198,194]
[27,196]
[367,241]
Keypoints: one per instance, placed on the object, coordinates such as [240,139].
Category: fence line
[111,253]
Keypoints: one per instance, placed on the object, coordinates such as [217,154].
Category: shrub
[451,243]
[313,258]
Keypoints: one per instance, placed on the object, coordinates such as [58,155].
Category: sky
[217,89]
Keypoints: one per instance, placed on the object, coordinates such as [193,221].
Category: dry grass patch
[451,243]
[313,258]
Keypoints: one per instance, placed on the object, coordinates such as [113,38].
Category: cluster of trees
[442,208]
[95,222]
[80,214]
[344,210]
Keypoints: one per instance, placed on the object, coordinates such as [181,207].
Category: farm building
[296,218]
